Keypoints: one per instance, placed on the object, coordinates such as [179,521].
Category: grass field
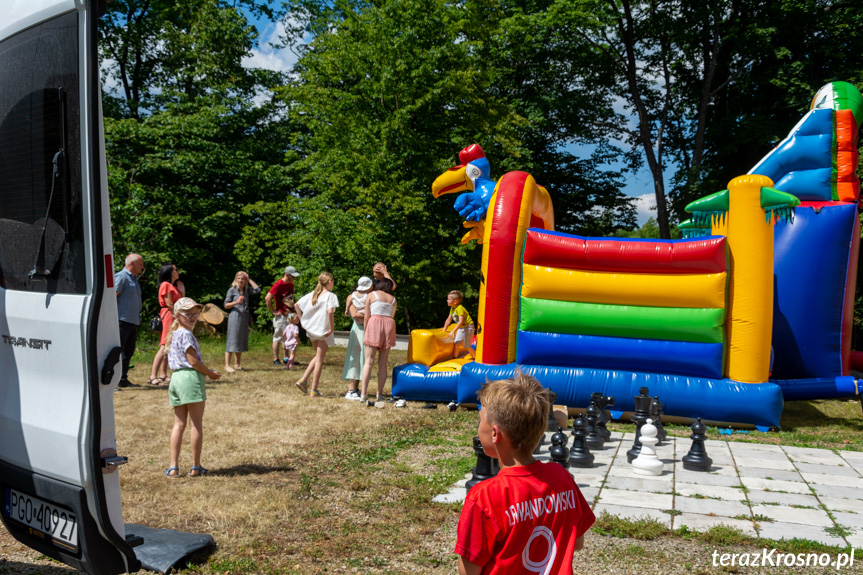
[300,485]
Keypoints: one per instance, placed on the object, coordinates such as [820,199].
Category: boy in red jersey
[531,517]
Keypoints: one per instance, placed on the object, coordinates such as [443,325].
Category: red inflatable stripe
[501,260]
[699,256]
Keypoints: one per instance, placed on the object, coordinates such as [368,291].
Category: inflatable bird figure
[472,175]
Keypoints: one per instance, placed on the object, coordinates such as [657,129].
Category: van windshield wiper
[57,173]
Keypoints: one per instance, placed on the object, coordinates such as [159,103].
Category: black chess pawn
[696,459]
[559,452]
[594,439]
[579,454]
[486,467]
[656,416]
[642,413]
[604,415]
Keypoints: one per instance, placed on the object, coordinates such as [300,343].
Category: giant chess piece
[656,416]
[486,467]
[642,412]
[696,459]
[559,452]
[579,454]
[594,438]
[604,415]
[647,463]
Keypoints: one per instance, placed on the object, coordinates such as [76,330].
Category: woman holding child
[355,308]
[239,318]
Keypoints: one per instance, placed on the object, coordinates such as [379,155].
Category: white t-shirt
[316,318]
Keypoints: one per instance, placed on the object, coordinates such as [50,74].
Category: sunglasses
[193,315]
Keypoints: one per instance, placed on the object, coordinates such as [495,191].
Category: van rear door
[59,485]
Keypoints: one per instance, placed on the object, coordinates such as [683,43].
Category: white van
[59,354]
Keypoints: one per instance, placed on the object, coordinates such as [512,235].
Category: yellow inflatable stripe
[653,290]
[452,364]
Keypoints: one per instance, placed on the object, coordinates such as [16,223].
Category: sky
[638,186]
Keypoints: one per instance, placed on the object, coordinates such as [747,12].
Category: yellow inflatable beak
[451,181]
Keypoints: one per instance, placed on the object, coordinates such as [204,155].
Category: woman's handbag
[156,322]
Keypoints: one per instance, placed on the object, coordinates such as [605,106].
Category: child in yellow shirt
[458,315]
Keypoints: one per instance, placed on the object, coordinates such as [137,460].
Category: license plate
[43,518]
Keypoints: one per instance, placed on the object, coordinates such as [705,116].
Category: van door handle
[110,364]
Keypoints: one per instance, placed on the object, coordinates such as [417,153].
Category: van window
[41,221]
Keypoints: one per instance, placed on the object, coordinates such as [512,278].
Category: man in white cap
[275,299]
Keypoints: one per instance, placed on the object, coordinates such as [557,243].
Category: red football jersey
[524,520]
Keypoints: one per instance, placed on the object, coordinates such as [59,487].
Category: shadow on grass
[249,469]
[799,415]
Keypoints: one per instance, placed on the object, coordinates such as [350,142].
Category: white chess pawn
[647,463]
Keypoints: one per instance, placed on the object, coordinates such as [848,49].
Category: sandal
[165,379]
[302,386]
[172,475]
[198,471]
[155,382]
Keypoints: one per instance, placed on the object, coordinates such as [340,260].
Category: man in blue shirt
[129,310]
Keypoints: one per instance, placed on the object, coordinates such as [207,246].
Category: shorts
[187,386]
[280,322]
[330,340]
[465,335]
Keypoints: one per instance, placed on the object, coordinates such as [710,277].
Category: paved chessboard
[794,488]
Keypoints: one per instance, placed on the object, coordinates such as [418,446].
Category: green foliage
[181,172]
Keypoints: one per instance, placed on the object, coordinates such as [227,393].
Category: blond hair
[322,281]
[174,326]
[519,406]
[457,294]
[236,277]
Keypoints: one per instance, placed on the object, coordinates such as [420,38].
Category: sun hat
[364,283]
[185,304]
[292,271]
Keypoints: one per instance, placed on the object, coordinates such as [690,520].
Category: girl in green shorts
[186,390]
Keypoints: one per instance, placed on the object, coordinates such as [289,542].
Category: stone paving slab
[763,473]
[776,485]
[835,480]
[844,470]
[780,514]
[698,522]
[786,499]
[711,507]
[796,531]
[711,491]
[633,513]
[772,491]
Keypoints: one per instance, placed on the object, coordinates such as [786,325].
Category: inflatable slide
[752,307]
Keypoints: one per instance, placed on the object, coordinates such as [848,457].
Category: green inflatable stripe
[702,325]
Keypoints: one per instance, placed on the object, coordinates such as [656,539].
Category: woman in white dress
[316,311]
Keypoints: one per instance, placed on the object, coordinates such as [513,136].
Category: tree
[200,142]
[385,95]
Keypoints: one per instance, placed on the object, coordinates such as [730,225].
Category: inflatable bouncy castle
[752,307]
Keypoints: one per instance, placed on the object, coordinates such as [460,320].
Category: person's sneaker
[277,362]
[286,361]
[314,393]
[401,403]
[364,398]
[352,395]
[302,386]
[127,383]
